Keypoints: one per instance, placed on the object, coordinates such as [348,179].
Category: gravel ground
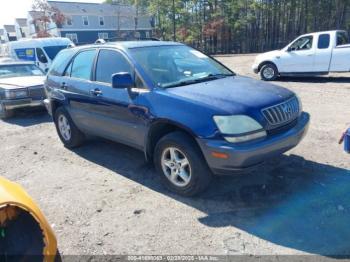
[103,198]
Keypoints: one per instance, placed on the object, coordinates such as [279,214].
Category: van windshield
[52,51]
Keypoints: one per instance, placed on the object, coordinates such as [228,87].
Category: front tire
[69,134]
[5,114]
[181,165]
[269,72]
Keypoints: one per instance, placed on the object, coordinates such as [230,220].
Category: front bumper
[255,68]
[22,103]
[242,157]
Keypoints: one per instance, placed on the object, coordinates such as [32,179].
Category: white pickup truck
[311,54]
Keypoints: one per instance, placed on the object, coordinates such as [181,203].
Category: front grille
[282,114]
[36,92]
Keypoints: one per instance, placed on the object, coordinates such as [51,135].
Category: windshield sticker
[198,54]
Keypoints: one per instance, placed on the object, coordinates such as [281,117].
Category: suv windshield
[7,71]
[171,66]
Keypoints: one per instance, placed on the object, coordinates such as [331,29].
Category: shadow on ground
[26,118]
[316,79]
[290,201]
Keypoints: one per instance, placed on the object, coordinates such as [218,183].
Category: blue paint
[27,54]
[347,141]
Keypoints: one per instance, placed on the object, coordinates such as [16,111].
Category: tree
[46,15]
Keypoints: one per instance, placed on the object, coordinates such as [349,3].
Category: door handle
[310,55]
[96,92]
[64,86]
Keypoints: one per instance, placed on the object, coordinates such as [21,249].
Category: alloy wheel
[176,166]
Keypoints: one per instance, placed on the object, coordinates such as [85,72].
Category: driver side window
[303,43]
[41,55]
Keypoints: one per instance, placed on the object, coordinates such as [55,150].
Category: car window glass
[60,62]
[82,65]
[110,62]
[323,41]
[342,38]
[41,56]
[303,43]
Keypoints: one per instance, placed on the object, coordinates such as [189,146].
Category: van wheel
[180,164]
[269,72]
[69,134]
[4,114]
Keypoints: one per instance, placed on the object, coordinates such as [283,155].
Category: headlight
[300,104]
[239,128]
[13,94]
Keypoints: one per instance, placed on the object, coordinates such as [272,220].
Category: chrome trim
[283,113]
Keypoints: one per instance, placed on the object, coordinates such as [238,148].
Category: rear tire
[187,172]
[67,131]
[269,72]
[5,114]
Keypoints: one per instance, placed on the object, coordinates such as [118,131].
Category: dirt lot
[104,199]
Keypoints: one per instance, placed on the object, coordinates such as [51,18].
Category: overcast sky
[11,9]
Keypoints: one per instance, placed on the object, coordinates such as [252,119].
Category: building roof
[36,14]
[10,28]
[93,8]
[22,22]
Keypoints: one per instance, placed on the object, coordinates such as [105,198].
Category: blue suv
[187,112]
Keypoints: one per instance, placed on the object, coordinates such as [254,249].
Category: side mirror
[122,80]
[289,49]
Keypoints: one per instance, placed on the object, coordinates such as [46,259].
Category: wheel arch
[160,128]
[265,63]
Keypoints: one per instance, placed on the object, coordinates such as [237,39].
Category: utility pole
[174,22]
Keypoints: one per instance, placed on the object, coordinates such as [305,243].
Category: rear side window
[323,41]
[60,62]
[82,64]
[342,38]
[110,62]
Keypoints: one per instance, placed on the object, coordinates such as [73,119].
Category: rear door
[77,85]
[300,58]
[116,111]
[323,54]
[341,53]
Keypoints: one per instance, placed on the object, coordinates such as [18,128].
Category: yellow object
[12,195]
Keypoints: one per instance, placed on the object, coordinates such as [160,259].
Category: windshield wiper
[198,80]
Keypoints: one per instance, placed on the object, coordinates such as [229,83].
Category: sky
[12,9]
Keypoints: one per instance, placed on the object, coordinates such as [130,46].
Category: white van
[41,51]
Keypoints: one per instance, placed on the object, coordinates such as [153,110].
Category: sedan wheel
[176,166]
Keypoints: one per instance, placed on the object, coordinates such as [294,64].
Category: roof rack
[130,39]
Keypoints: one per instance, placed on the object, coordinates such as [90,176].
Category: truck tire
[68,132]
[4,114]
[181,165]
[269,72]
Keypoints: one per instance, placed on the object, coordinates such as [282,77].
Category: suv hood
[234,95]
[21,82]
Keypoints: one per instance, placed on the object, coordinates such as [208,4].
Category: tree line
[241,26]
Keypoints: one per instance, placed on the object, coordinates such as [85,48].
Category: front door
[300,56]
[114,107]
[41,59]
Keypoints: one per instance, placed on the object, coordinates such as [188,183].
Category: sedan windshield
[171,66]
[7,71]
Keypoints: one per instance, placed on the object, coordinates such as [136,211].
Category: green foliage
[243,25]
